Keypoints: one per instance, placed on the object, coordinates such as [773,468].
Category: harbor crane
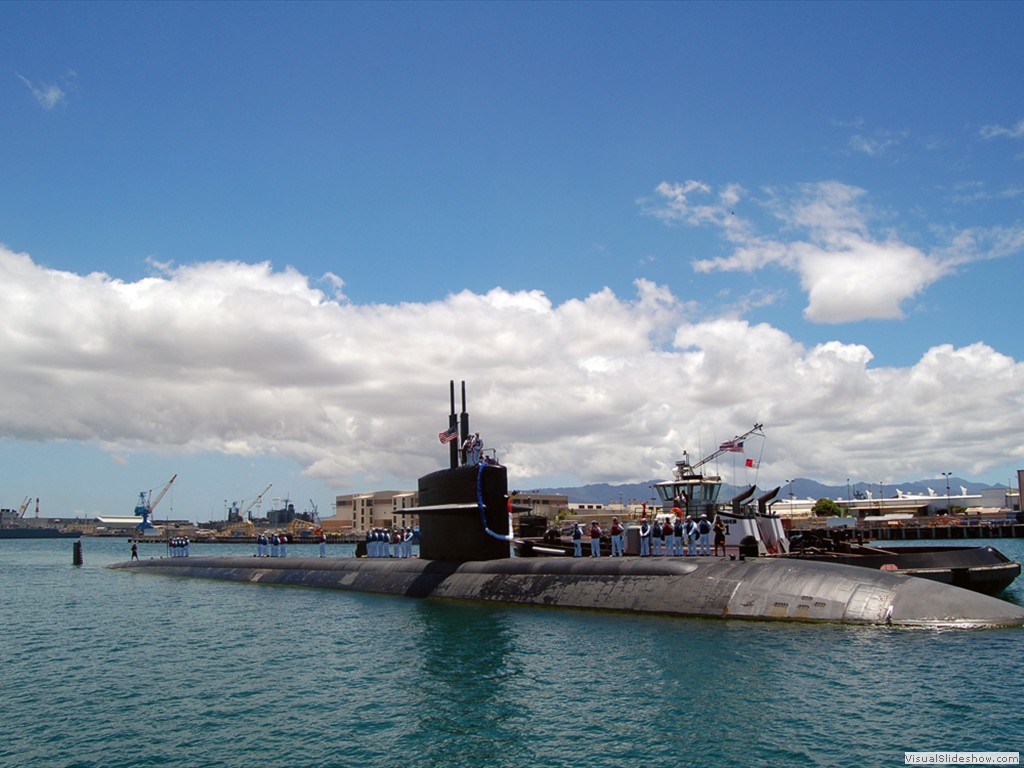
[242,513]
[255,503]
[144,508]
[24,506]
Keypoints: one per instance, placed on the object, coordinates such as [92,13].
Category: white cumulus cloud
[824,234]
[243,359]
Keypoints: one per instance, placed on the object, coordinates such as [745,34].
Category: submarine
[466,543]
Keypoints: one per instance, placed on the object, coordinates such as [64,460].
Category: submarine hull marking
[751,589]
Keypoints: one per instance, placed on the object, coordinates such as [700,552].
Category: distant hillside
[801,488]
[603,493]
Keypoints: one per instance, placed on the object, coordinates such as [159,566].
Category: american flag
[448,435]
[732,446]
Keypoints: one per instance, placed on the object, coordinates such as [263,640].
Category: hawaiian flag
[448,435]
[732,446]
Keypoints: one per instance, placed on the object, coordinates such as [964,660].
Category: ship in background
[14,525]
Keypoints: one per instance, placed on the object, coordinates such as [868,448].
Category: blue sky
[251,243]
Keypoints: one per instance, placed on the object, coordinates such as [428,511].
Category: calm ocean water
[111,669]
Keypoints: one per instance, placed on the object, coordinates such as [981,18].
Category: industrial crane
[144,508]
[23,507]
[253,503]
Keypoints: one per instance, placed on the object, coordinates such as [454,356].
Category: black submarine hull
[766,589]
[466,532]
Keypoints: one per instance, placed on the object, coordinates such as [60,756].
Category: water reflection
[467,664]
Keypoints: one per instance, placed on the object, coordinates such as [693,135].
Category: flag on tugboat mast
[752,463]
[732,446]
[448,435]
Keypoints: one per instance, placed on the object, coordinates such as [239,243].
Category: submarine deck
[757,588]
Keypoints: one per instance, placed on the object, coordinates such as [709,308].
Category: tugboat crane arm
[738,439]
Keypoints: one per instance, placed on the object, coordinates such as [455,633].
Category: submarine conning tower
[449,512]
[463,510]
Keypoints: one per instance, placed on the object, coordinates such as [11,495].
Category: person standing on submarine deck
[617,532]
[719,529]
[693,534]
[704,527]
[677,533]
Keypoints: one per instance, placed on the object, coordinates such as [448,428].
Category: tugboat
[756,531]
[982,569]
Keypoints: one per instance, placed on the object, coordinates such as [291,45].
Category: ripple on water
[104,668]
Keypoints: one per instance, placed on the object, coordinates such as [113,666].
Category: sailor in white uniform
[407,543]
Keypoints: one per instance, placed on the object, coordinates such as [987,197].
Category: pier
[917,531]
